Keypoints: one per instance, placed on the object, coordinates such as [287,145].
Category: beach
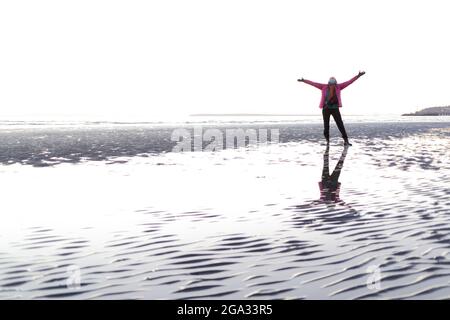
[109,211]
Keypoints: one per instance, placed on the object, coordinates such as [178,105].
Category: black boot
[347,143]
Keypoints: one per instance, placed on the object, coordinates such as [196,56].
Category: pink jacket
[339,87]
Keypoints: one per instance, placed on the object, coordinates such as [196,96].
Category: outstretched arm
[312,83]
[349,82]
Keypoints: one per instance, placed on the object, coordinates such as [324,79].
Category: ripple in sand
[392,213]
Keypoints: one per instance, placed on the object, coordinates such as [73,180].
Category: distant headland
[433,111]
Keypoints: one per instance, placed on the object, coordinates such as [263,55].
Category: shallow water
[135,220]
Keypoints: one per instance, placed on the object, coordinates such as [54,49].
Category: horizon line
[272,114]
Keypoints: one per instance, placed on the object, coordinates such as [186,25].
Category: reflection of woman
[337,211]
[331,102]
[330,185]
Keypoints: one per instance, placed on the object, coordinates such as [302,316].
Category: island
[433,111]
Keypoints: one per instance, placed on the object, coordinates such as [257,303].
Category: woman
[331,102]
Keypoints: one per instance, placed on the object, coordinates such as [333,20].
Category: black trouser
[326,112]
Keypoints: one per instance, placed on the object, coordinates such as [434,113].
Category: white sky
[147,59]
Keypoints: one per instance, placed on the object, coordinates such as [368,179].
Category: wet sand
[137,221]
